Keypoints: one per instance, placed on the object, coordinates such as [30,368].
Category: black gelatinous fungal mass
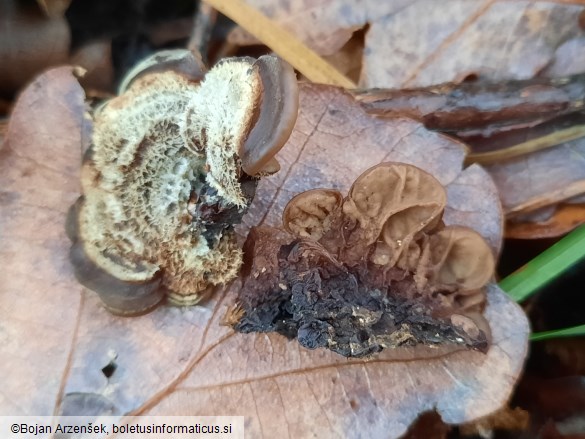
[377,269]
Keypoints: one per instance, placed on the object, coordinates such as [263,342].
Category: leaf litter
[181,360]
[491,41]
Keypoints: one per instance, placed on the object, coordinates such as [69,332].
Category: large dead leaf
[39,303]
[428,42]
[56,337]
[334,142]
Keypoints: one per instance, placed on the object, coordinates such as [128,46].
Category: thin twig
[202,28]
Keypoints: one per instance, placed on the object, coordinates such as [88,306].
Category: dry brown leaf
[39,303]
[334,142]
[545,178]
[56,337]
[489,39]
[532,184]
[324,25]
[426,42]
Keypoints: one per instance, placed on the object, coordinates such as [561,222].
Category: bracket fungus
[375,269]
[173,165]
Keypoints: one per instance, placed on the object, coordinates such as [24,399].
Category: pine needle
[573,331]
[538,144]
[546,267]
[282,42]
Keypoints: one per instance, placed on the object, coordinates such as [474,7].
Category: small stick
[480,108]
[202,28]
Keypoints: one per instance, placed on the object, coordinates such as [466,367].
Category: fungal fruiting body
[173,165]
[375,269]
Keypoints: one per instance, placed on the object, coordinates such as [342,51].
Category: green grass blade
[567,332]
[546,267]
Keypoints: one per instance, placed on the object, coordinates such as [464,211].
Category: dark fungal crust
[298,290]
[163,184]
[341,281]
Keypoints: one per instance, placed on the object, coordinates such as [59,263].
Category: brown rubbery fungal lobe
[376,269]
[163,183]
[308,214]
[276,116]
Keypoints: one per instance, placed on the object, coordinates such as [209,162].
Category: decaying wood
[472,107]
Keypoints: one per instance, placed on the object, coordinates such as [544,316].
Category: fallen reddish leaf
[334,141]
[62,350]
[324,25]
[422,43]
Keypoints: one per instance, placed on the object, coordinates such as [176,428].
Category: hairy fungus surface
[173,165]
[376,269]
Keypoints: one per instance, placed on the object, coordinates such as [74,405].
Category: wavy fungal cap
[392,218]
[163,182]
